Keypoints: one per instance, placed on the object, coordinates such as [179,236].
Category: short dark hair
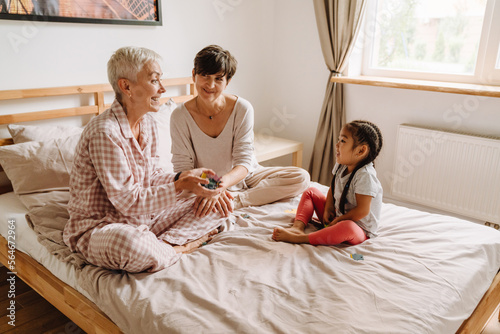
[213,60]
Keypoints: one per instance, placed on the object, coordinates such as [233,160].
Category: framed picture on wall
[142,12]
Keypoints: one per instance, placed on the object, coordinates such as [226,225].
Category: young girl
[351,210]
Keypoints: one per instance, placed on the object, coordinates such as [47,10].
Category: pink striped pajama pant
[121,246]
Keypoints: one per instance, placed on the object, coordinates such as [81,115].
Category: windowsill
[433,86]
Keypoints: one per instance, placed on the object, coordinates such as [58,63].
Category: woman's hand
[225,204]
[191,181]
[221,203]
[203,206]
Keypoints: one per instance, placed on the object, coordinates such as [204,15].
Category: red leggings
[344,231]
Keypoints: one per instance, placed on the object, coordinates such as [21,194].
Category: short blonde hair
[126,63]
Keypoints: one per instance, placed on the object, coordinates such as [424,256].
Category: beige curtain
[338,23]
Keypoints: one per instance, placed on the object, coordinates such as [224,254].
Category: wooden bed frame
[70,302]
[73,304]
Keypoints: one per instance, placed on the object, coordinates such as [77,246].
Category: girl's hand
[333,222]
[328,217]
[358,212]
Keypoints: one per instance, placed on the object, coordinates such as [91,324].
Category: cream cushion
[25,133]
[39,166]
[42,156]
[162,118]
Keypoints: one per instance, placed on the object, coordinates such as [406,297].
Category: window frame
[491,73]
[485,70]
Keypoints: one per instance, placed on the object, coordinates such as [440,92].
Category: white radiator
[449,171]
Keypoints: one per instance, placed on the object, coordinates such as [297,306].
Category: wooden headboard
[98,107]
[98,92]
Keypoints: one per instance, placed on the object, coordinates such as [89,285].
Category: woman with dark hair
[215,130]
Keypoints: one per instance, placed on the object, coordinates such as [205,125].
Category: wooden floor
[33,314]
[493,326]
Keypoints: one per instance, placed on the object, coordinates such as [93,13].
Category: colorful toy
[357,257]
[214,181]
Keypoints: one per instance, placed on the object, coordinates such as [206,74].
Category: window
[445,40]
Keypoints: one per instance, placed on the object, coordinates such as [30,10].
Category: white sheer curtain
[339,22]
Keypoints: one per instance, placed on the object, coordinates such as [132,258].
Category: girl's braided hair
[363,132]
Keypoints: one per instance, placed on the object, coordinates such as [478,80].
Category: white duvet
[423,274]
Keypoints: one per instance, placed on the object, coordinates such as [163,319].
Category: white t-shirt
[365,182]
[192,148]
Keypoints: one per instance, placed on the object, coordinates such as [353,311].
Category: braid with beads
[363,132]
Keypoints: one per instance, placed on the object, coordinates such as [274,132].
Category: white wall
[299,75]
[44,54]
[280,69]
[389,107]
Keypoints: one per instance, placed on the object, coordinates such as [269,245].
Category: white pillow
[162,118]
[26,133]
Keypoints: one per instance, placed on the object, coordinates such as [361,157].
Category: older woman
[125,213]
[215,130]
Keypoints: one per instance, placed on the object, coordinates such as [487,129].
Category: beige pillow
[25,133]
[39,166]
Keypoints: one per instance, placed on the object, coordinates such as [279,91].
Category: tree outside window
[428,35]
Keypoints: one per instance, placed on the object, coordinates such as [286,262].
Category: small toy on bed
[357,257]
[214,181]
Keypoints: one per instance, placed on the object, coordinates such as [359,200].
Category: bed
[425,273]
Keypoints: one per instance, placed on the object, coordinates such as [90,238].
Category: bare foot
[280,234]
[195,244]
[297,228]
[294,230]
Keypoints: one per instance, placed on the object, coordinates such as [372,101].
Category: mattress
[26,241]
[424,273]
